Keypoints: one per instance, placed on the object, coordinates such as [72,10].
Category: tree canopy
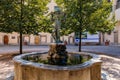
[32,15]
[86,15]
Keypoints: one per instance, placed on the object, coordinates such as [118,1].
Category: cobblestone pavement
[111,65]
[6,67]
[108,50]
[15,49]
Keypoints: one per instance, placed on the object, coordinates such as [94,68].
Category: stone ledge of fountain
[27,70]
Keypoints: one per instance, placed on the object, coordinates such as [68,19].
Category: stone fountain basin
[27,70]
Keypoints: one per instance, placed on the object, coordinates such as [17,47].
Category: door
[6,40]
[37,40]
[43,39]
[116,37]
[71,40]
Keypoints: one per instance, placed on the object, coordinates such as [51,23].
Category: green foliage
[86,15]
[9,15]
[32,15]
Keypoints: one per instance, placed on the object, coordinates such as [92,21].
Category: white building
[114,37]
[40,39]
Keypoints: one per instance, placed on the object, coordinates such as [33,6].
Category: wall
[1,39]
[45,38]
[32,39]
[118,28]
[109,37]
[13,38]
[117,14]
[114,37]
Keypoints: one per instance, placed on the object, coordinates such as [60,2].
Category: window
[118,0]
[13,37]
[118,4]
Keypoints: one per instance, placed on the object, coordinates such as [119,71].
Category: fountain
[57,63]
[28,67]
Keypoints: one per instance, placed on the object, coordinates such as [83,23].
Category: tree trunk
[21,42]
[80,27]
[80,34]
[20,26]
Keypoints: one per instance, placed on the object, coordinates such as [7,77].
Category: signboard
[83,36]
[86,37]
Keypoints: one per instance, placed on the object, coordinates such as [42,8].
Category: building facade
[114,36]
[40,39]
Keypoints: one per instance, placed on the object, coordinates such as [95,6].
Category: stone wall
[26,70]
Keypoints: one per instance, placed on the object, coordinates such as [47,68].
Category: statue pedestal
[57,54]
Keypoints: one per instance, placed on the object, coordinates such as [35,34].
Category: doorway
[43,39]
[116,37]
[71,40]
[37,40]
[6,40]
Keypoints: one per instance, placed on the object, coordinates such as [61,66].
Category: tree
[86,15]
[32,13]
[22,16]
[8,15]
